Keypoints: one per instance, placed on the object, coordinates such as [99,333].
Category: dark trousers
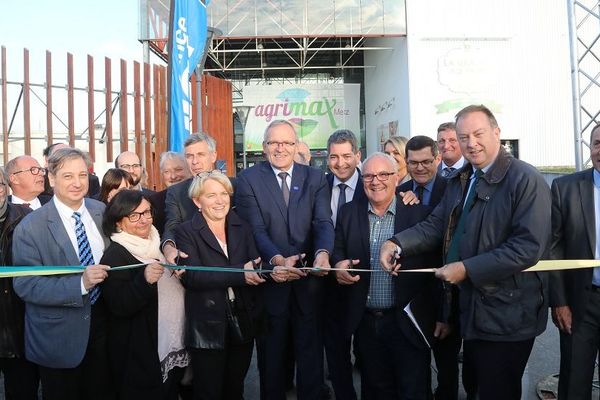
[446,353]
[498,367]
[219,373]
[91,379]
[578,352]
[337,346]
[21,379]
[393,365]
[308,350]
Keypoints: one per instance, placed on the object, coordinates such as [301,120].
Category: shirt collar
[456,165]
[65,210]
[428,186]
[391,208]
[351,182]
[277,171]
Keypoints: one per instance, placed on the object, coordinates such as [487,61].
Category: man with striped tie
[64,314]
[452,158]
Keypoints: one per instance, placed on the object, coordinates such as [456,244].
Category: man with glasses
[394,354]
[429,185]
[26,180]
[130,162]
[287,205]
[65,318]
[21,379]
[452,158]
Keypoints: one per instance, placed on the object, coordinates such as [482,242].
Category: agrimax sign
[316,111]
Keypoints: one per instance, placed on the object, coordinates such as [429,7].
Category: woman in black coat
[146,313]
[224,311]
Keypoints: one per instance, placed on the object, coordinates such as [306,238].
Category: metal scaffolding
[584,32]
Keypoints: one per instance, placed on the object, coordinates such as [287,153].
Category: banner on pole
[189,38]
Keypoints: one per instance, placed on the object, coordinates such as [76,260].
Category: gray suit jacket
[57,316]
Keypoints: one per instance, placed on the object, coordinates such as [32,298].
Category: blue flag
[189,38]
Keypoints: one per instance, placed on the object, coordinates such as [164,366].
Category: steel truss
[584,32]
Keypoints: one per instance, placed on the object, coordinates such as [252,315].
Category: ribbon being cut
[13,271]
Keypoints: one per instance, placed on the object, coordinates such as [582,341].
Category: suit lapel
[206,234]
[233,231]
[363,226]
[60,236]
[273,187]
[586,191]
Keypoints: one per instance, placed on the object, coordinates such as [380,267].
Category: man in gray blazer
[64,314]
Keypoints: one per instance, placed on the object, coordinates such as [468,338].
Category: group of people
[178,286]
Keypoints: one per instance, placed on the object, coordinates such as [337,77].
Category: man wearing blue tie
[64,314]
[452,158]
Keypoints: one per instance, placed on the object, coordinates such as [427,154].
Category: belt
[380,312]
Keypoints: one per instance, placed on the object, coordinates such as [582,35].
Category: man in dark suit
[130,162]
[173,169]
[288,207]
[575,294]
[64,314]
[494,222]
[345,183]
[200,151]
[26,180]
[422,161]
[394,349]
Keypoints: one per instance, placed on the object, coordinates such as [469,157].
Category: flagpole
[199,69]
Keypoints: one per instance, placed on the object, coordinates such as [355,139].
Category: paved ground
[544,361]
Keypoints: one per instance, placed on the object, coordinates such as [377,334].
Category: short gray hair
[60,156]
[379,154]
[11,165]
[199,138]
[276,123]
[170,155]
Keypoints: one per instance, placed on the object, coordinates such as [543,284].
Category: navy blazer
[352,242]
[359,191]
[304,226]
[57,316]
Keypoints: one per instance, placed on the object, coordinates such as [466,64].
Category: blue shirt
[427,189]
[381,288]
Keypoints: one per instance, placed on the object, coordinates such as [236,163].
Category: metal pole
[198,71]
[575,85]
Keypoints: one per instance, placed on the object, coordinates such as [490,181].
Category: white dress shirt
[33,204]
[335,193]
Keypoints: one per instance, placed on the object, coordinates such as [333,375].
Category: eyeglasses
[284,144]
[130,166]
[33,170]
[136,216]
[3,187]
[424,163]
[382,176]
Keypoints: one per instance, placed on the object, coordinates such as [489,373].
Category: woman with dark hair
[113,182]
[224,311]
[146,309]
